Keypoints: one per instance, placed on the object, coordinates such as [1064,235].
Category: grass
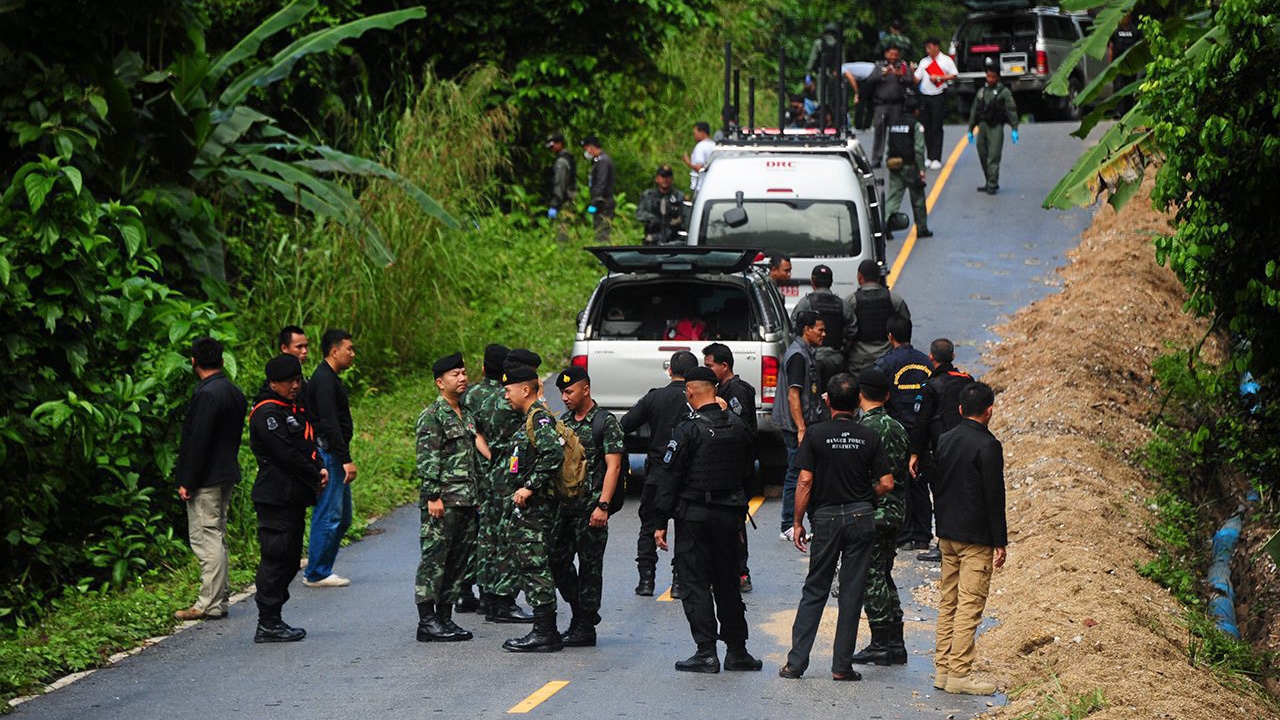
[1058,704]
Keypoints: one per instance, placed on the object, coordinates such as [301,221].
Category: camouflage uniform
[573,535]
[534,463]
[881,595]
[448,469]
[498,423]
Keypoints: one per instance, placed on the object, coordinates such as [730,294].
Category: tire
[1068,108]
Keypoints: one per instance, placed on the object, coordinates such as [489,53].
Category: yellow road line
[538,697]
[666,596]
[910,242]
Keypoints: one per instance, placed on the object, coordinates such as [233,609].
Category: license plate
[1017,69]
[790,290]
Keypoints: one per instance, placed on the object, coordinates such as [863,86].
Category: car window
[800,228]
[1059,28]
[998,30]
[687,309]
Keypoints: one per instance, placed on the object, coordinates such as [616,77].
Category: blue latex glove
[970,137]
[552,212]
[591,209]
[1014,134]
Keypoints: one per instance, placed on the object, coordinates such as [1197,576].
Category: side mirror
[899,221]
[736,217]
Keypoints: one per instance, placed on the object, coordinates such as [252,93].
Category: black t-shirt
[846,459]
[795,370]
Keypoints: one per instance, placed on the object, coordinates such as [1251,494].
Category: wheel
[1069,109]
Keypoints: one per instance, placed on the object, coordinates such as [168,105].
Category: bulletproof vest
[992,111]
[830,309]
[716,466]
[902,135]
[948,387]
[874,309]
[908,380]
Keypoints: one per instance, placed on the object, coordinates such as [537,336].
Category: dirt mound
[1075,395]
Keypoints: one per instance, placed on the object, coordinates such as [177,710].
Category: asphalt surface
[990,256]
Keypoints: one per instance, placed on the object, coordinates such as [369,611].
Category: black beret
[701,374]
[283,367]
[571,375]
[873,379]
[525,356]
[495,355]
[445,364]
[514,372]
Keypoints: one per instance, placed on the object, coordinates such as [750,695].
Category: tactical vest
[716,466]
[992,111]
[810,394]
[874,308]
[902,137]
[830,309]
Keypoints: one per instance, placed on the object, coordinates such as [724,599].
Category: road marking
[538,697]
[666,596]
[910,241]
[752,507]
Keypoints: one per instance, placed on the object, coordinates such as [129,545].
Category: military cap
[524,356]
[514,372]
[445,364]
[701,374]
[571,375]
[821,271]
[664,171]
[283,367]
[554,138]
[591,141]
[874,380]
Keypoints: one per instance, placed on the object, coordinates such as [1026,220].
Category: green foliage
[1058,704]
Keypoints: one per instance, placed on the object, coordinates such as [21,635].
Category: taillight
[579,361]
[1042,62]
[768,379]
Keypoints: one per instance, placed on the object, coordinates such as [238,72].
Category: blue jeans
[789,480]
[329,521]
[844,534]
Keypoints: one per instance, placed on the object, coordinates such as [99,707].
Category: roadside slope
[1075,395]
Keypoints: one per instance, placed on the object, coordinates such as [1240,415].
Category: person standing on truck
[906,164]
[562,179]
[895,38]
[801,407]
[867,313]
[892,79]
[602,179]
[830,308]
[701,155]
[740,399]
[824,65]
[661,209]
[660,409]
[993,106]
[935,73]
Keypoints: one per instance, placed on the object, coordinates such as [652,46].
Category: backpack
[571,483]
[620,490]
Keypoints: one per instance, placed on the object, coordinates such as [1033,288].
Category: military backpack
[571,483]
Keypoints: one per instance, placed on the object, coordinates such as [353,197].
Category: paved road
[990,256]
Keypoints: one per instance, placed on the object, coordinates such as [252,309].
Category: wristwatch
[603,505]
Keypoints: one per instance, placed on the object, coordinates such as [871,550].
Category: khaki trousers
[966,580]
[207,529]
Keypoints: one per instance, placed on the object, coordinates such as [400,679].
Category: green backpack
[571,483]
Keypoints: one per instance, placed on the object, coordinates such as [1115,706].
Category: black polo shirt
[846,459]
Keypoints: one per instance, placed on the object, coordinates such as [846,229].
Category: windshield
[799,228]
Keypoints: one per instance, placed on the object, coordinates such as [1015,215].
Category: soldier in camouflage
[448,470]
[496,423]
[582,529]
[884,609]
[536,457]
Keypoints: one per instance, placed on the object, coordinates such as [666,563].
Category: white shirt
[859,70]
[700,155]
[944,63]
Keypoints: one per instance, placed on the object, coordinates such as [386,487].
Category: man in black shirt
[329,409]
[601,180]
[740,399]
[936,413]
[706,464]
[844,468]
[972,532]
[207,472]
[660,409]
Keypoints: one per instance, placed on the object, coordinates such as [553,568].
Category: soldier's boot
[503,609]
[445,615]
[544,637]
[737,658]
[482,605]
[675,584]
[703,661]
[896,647]
[877,653]
[430,629]
[467,601]
[581,632]
[645,588]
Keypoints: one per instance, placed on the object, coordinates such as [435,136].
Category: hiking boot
[933,555]
[645,587]
[940,680]
[740,659]
[703,661]
[544,637]
[503,609]
[277,631]
[966,685]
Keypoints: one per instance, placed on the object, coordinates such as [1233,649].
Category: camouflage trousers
[496,566]
[881,595]
[448,554]
[529,532]
[580,586]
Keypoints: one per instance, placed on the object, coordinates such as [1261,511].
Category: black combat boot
[544,637]
[277,630]
[877,653]
[737,658]
[467,602]
[896,647]
[675,583]
[503,609]
[645,588]
[445,616]
[581,632]
[430,629]
[703,661]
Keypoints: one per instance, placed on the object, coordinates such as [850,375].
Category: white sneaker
[333,580]
[935,164]
[789,535]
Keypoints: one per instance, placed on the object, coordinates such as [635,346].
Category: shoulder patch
[272,424]
[544,420]
[291,421]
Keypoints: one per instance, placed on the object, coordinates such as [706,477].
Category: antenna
[728,60]
[737,104]
[751,105]
[782,88]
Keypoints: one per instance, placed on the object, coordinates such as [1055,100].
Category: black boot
[482,606]
[740,659]
[896,647]
[544,637]
[467,602]
[430,629]
[703,661]
[581,633]
[645,588]
[877,653]
[675,584]
[503,609]
[274,631]
[445,615]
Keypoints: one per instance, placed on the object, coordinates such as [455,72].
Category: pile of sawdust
[1075,394]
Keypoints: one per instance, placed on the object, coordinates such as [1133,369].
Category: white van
[811,197]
